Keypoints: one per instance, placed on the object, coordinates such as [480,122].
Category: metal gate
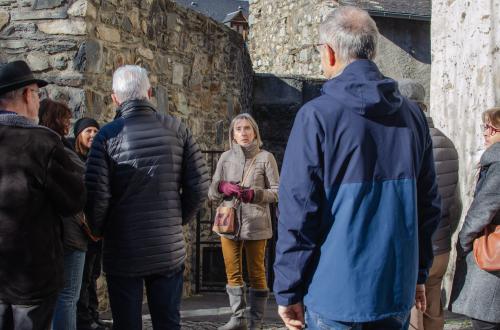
[210,272]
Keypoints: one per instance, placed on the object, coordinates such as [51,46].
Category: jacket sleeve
[194,179]
[97,180]
[484,207]
[299,206]
[213,192]
[272,179]
[64,183]
[429,210]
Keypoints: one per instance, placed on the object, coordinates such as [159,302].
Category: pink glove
[247,195]
[229,189]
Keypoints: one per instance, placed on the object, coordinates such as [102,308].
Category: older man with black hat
[38,185]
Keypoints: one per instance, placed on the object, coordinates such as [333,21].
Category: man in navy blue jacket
[358,194]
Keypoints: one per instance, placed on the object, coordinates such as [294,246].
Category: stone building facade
[200,69]
[283,34]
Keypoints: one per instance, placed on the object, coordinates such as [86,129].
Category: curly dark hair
[53,114]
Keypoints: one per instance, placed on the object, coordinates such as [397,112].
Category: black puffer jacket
[38,185]
[74,238]
[446,161]
[145,178]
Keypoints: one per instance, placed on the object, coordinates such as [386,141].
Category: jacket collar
[127,108]
[363,89]
[491,155]
[249,153]
[9,118]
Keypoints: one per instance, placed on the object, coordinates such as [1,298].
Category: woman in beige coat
[245,160]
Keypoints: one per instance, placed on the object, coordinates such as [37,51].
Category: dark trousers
[163,292]
[27,317]
[483,325]
[87,307]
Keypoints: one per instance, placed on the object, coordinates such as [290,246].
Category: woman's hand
[229,189]
[247,195]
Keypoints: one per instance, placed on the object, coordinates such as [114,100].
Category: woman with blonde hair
[247,178]
[476,292]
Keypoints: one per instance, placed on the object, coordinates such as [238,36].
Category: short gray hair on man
[12,95]
[131,82]
[351,33]
[414,91]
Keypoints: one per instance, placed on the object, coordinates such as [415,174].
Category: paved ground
[209,311]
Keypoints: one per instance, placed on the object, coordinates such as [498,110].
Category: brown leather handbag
[225,216]
[225,222]
[487,249]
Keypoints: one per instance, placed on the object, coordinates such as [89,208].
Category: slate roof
[409,9]
[217,9]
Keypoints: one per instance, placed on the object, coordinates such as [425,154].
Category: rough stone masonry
[200,69]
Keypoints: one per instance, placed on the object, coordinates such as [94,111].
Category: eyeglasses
[37,92]
[491,129]
[317,47]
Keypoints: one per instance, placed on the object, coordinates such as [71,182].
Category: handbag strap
[236,203]
[245,175]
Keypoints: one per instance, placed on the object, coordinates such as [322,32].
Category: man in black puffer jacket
[446,161]
[146,177]
[38,185]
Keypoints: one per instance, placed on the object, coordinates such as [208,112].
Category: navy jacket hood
[362,88]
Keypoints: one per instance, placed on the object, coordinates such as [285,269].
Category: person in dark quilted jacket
[446,162]
[146,178]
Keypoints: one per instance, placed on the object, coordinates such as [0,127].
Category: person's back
[446,162]
[143,226]
[350,225]
[146,177]
[28,215]
[38,185]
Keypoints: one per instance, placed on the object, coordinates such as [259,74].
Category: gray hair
[414,91]
[12,95]
[130,82]
[253,123]
[351,33]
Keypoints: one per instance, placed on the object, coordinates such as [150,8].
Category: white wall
[465,80]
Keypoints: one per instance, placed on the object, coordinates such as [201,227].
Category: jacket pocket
[256,216]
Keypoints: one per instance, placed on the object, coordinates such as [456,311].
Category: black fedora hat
[17,74]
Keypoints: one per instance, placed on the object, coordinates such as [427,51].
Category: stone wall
[283,33]
[46,33]
[200,70]
[465,81]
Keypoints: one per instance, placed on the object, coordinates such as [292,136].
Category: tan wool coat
[254,219]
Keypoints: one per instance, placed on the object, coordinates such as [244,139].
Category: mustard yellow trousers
[255,252]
